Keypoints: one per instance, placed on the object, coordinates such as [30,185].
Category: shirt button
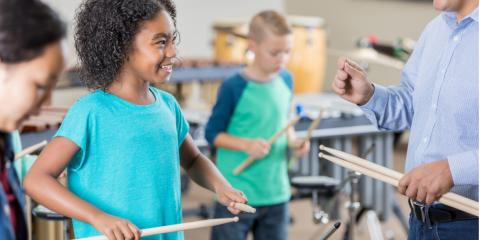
[456,38]
[434,106]
[443,71]
[6,209]
[425,140]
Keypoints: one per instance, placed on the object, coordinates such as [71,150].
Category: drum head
[42,212]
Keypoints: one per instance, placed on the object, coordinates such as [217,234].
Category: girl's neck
[131,89]
[254,72]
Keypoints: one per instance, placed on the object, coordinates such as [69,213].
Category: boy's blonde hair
[268,20]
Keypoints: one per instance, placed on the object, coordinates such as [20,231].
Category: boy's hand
[299,146]
[257,148]
[115,228]
[228,196]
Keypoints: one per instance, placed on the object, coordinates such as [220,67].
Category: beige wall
[196,17]
[347,20]
[194,20]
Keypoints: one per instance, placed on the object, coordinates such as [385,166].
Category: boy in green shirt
[252,106]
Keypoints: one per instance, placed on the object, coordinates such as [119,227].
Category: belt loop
[426,215]
[419,209]
[410,204]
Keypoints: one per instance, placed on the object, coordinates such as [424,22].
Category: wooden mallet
[310,130]
[176,227]
[30,149]
[272,139]
[245,208]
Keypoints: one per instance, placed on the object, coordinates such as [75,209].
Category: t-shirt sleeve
[287,78]
[180,121]
[76,127]
[221,113]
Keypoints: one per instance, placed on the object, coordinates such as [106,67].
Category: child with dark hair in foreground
[123,144]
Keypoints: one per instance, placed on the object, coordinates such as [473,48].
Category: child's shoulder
[88,101]
[92,102]
[287,77]
[164,95]
[236,81]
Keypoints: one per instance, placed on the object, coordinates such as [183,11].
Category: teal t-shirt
[249,109]
[128,163]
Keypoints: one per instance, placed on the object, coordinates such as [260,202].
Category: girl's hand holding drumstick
[233,199]
[115,228]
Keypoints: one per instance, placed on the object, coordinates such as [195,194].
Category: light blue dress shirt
[438,100]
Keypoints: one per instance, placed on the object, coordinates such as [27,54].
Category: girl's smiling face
[153,51]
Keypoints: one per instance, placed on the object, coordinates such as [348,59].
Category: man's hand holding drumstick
[427,182]
[424,183]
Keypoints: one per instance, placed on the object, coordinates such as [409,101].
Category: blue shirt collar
[474,15]
[451,17]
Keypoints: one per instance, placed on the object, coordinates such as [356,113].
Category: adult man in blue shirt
[438,101]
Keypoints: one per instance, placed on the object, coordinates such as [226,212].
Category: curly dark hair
[105,30]
[26,27]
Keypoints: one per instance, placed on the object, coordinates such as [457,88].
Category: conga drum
[230,44]
[308,57]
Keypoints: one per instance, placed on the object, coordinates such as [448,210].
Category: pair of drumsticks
[392,177]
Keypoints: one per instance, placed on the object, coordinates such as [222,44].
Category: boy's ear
[252,45]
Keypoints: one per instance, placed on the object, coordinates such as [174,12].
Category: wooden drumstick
[360,161]
[314,125]
[274,138]
[30,149]
[244,208]
[386,171]
[383,174]
[365,171]
[310,130]
[176,227]
[445,199]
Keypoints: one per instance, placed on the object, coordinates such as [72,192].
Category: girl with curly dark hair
[31,58]
[123,144]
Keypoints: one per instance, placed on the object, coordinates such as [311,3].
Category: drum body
[308,58]
[230,43]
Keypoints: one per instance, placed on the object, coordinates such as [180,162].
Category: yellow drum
[230,44]
[308,58]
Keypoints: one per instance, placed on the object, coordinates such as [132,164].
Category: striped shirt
[438,100]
